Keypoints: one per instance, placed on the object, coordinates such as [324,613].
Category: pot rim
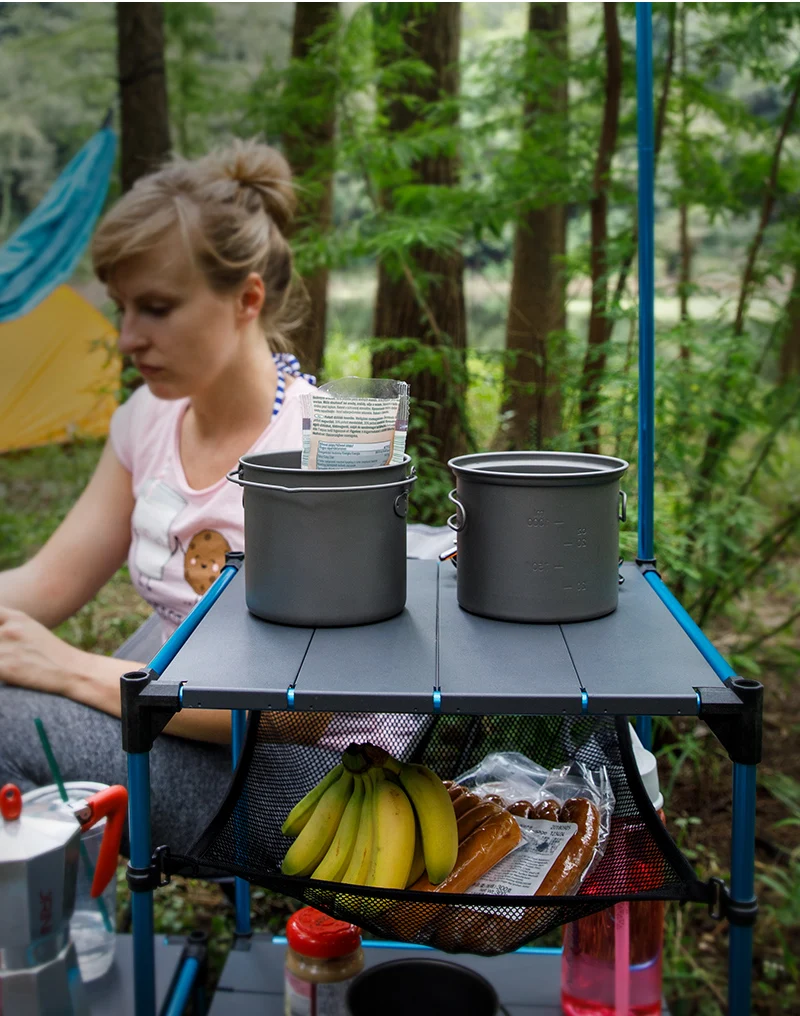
[478,466]
[246,461]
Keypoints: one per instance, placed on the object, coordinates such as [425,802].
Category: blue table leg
[740,950]
[242,886]
[141,902]
[644,729]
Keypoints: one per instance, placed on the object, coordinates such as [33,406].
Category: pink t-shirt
[180,535]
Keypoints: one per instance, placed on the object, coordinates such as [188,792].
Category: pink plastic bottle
[593,983]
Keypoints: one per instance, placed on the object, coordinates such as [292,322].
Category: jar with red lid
[323,957]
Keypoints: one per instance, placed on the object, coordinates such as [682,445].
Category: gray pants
[188,779]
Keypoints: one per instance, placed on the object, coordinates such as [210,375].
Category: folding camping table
[647,658]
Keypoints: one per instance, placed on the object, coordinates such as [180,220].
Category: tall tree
[421,288]
[142,88]
[595,359]
[537,314]
[309,144]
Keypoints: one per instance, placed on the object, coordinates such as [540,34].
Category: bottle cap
[312,933]
[648,769]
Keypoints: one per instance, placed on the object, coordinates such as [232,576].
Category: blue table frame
[744,775]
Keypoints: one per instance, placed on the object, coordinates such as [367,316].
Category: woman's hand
[33,657]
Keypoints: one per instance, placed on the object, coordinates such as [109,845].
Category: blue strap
[287,364]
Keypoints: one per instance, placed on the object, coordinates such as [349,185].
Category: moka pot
[39,857]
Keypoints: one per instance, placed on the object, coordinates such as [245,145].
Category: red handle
[112,805]
[10,802]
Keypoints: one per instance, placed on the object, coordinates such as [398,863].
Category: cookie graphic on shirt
[205,559]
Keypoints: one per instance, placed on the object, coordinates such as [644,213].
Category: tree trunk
[309,144]
[595,360]
[537,316]
[421,294]
[789,361]
[143,89]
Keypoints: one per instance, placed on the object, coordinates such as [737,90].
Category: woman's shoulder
[139,421]
[299,386]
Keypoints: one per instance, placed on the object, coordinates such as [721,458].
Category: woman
[196,260]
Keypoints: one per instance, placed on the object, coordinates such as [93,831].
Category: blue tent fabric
[43,252]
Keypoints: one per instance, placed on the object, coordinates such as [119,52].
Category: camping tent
[58,371]
[59,375]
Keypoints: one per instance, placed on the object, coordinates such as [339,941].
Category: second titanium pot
[538,534]
[324,548]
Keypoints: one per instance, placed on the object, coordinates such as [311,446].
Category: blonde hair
[232,207]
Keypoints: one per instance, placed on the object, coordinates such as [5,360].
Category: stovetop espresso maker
[39,857]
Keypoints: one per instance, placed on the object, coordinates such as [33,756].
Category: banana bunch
[373,821]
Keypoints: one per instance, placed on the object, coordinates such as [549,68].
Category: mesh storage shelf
[640,861]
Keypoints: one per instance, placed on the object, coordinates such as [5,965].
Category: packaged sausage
[564,817]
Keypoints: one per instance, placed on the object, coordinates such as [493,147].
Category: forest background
[467,175]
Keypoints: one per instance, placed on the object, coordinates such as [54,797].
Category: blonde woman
[196,260]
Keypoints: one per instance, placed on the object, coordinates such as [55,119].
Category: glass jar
[323,957]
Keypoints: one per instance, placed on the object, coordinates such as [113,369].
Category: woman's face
[179,333]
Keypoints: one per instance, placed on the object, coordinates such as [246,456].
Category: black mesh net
[275,771]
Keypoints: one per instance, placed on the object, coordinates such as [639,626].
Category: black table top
[637,660]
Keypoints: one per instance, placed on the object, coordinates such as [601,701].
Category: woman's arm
[33,657]
[95,682]
[83,553]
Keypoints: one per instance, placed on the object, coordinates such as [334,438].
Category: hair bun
[262,170]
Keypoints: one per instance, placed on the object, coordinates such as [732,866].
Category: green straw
[56,774]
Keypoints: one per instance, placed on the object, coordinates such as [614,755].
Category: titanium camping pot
[538,534]
[324,547]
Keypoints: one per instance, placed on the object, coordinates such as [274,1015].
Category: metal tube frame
[139,812]
[740,947]
[183,987]
[744,776]
[241,885]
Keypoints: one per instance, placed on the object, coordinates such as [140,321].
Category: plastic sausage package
[564,817]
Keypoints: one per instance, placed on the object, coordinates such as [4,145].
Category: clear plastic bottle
[323,957]
[588,969]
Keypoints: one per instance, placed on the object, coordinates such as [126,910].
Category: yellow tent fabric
[58,373]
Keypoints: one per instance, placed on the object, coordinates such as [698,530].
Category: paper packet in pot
[355,423]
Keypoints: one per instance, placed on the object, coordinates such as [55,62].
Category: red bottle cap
[312,933]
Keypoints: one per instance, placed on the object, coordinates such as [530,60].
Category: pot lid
[30,830]
[539,468]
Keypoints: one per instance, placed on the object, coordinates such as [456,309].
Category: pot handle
[623,506]
[235,476]
[112,805]
[459,520]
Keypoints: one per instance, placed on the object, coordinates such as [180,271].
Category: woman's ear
[250,298]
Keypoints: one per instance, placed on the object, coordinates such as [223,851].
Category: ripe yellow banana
[395,830]
[302,811]
[418,863]
[358,868]
[335,862]
[312,844]
[437,819]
